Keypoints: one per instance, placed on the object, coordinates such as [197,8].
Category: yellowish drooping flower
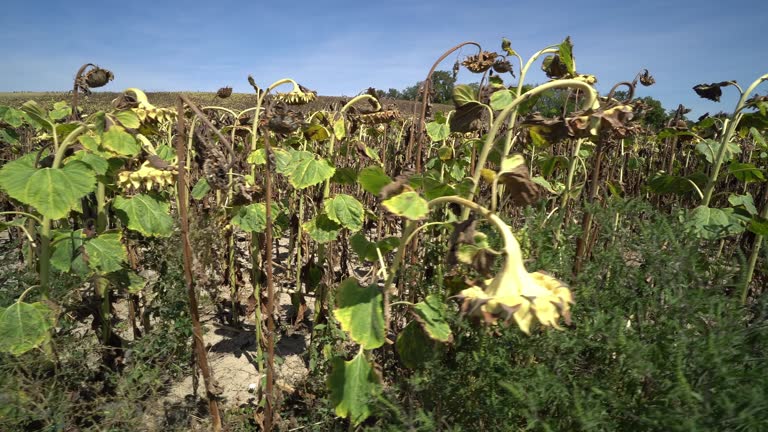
[137,101]
[514,293]
[146,175]
[300,95]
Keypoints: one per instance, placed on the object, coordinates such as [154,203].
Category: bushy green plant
[655,346]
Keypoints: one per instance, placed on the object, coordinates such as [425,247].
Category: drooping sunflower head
[481,62]
[147,176]
[515,294]
[300,95]
[506,298]
[224,92]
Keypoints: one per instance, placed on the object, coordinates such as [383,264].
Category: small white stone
[252,387]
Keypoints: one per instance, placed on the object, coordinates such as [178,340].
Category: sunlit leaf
[758,137]
[431,314]
[438,131]
[305,170]
[353,387]
[106,253]
[408,204]
[373,179]
[11,116]
[712,223]
[60,110]
[253,217]
[339,129]
[258,157]
[116,139]
[145,214]
[128,119]
[98,164]
[201,189]
[345,210]
[322,229]
[24,326]
[502,99]
[360,311]
[53,192]
[743,200]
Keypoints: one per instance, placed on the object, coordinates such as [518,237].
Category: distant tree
[393,93]
[410,93]
[655,116]
[442,85]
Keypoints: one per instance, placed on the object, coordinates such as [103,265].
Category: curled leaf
[712,91]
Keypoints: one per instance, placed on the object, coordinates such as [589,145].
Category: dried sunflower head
[502,65]
[147,176]
[379,117]
[224,92]
[284,121]
[481,62]
[298,96]
[98,77]
[137,100]
[646,79]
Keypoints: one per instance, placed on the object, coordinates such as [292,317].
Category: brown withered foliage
[616,120]
[464,233]
[646,79]
[467,118]
[224,92]
[502,65]
[554,67]
[519,187]
[712,91]
[94,78]
[283,121]
[481,62]
[399,185]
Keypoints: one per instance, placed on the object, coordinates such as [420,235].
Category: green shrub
[656,344]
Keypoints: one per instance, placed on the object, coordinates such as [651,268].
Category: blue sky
[341,48]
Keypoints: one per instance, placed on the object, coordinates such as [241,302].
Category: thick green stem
[45,226]
[24,214]
[523,72]
[730,128]
[590,102]
[44,258]
[102,284]
[752,263]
